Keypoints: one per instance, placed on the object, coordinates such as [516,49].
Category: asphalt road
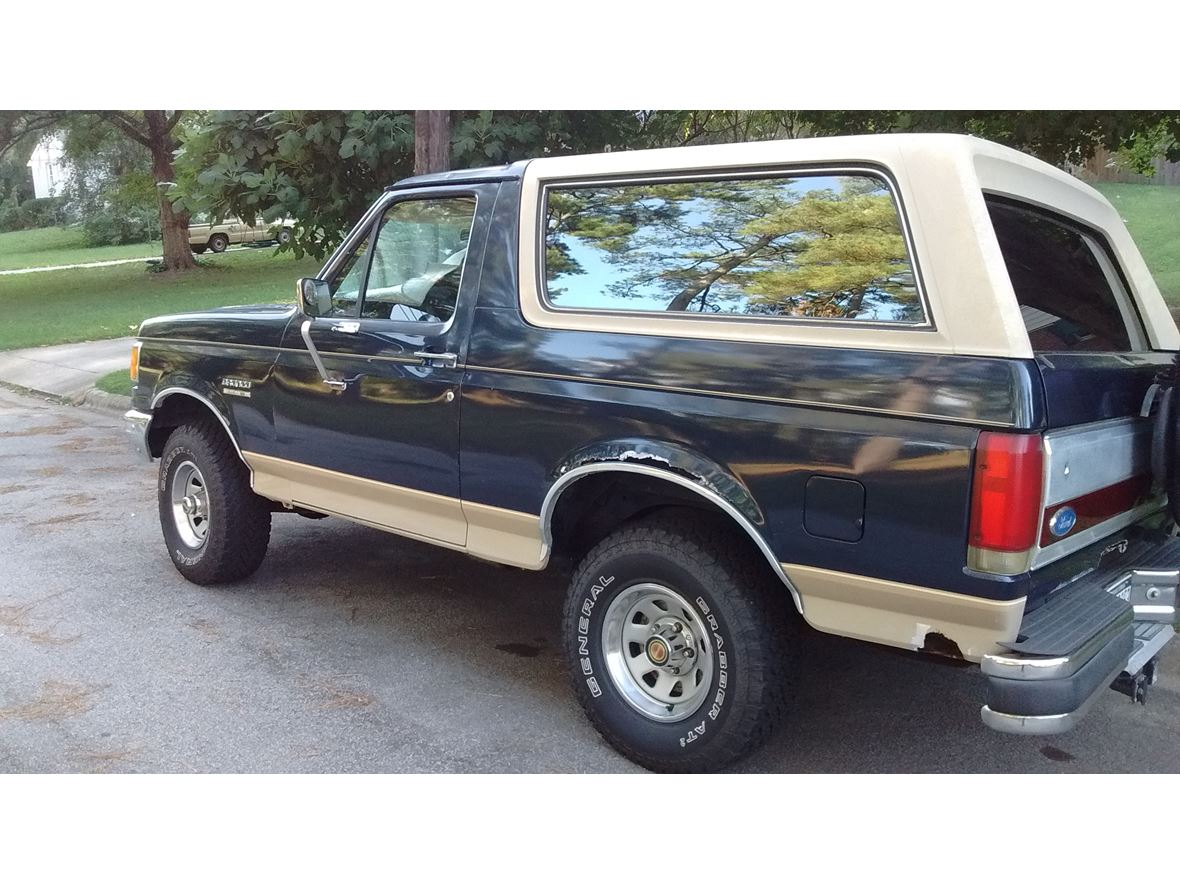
[354,650]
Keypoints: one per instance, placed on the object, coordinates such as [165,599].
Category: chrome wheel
[657,652]
[190,504]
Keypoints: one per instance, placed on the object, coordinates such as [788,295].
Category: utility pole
[432,141]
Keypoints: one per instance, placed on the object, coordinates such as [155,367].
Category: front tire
[216,528]
[218,243]
[676,638]
[199,250]
[284,236]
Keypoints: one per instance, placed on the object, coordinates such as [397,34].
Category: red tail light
[1005,500]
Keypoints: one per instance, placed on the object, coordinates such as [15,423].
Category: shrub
[42,212]
[112,227]
[10,218]
[37,212]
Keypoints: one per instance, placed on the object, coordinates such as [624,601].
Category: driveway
[64,370]
[354,650]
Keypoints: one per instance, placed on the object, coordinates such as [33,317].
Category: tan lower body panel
[487,532]
[902,615]
[504,535]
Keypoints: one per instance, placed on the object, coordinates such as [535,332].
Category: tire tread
[762,620]
[244,516]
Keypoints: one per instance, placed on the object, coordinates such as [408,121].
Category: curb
[98,400]
[101,401]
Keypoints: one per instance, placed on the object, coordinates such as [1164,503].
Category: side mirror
[314,297]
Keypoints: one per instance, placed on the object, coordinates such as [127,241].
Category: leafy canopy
[325,168]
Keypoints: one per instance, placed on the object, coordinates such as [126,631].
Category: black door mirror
[315,298]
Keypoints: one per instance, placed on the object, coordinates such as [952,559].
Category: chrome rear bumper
[1085,642]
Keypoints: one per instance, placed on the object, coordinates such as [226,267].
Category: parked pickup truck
[915,390]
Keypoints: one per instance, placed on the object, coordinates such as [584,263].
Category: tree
[110,187]
[154,131]
[432,141]
[1058,137]
[325,168]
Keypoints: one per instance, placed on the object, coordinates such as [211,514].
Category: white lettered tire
[677,640]
[215,527]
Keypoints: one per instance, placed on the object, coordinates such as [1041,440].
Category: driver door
[377,439]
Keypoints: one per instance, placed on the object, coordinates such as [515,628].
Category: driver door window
[345,285]
[417,262]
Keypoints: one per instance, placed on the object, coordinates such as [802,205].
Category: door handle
[445,360]
[349,328]
[305,331]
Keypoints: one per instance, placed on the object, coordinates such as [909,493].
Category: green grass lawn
[1152,215]
[60,306]
[117,381]
[49,246]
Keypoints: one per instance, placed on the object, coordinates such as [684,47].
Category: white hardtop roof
[941,181]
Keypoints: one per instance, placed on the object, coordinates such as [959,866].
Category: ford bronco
[915,390]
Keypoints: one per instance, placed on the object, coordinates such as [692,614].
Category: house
[50,170]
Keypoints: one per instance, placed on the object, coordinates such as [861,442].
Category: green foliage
[1139,155]
[325,168]
[111,226]
[1057,137]
[34,213]
[110,188]
[16,182]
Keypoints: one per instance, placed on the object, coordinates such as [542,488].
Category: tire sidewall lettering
[181,554]
[590,667]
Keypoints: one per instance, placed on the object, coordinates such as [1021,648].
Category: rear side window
[810,246]
[1070,295]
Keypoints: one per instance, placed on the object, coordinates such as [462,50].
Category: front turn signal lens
[135,361]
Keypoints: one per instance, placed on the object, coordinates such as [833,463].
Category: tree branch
[126,125]
[11,134]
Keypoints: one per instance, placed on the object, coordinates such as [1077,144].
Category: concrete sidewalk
[111,263]
[64,370]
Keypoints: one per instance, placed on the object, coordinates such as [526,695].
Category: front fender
[192,387]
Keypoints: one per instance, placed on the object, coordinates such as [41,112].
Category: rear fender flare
[673,463]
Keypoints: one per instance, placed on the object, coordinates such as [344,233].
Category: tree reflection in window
[819,246]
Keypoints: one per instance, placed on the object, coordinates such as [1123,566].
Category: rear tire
[219,243]
[644,596]
[216,528]
[284,236]
[199,250]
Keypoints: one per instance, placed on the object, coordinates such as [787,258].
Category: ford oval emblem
[1063,521]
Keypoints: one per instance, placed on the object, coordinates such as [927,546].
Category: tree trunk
[173,223]
[432,141]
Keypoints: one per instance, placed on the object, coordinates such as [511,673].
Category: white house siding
[49,168]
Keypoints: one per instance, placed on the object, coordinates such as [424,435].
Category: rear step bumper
[1106,630]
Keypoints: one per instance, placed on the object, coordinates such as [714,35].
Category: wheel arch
[676,466]
[173,404]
